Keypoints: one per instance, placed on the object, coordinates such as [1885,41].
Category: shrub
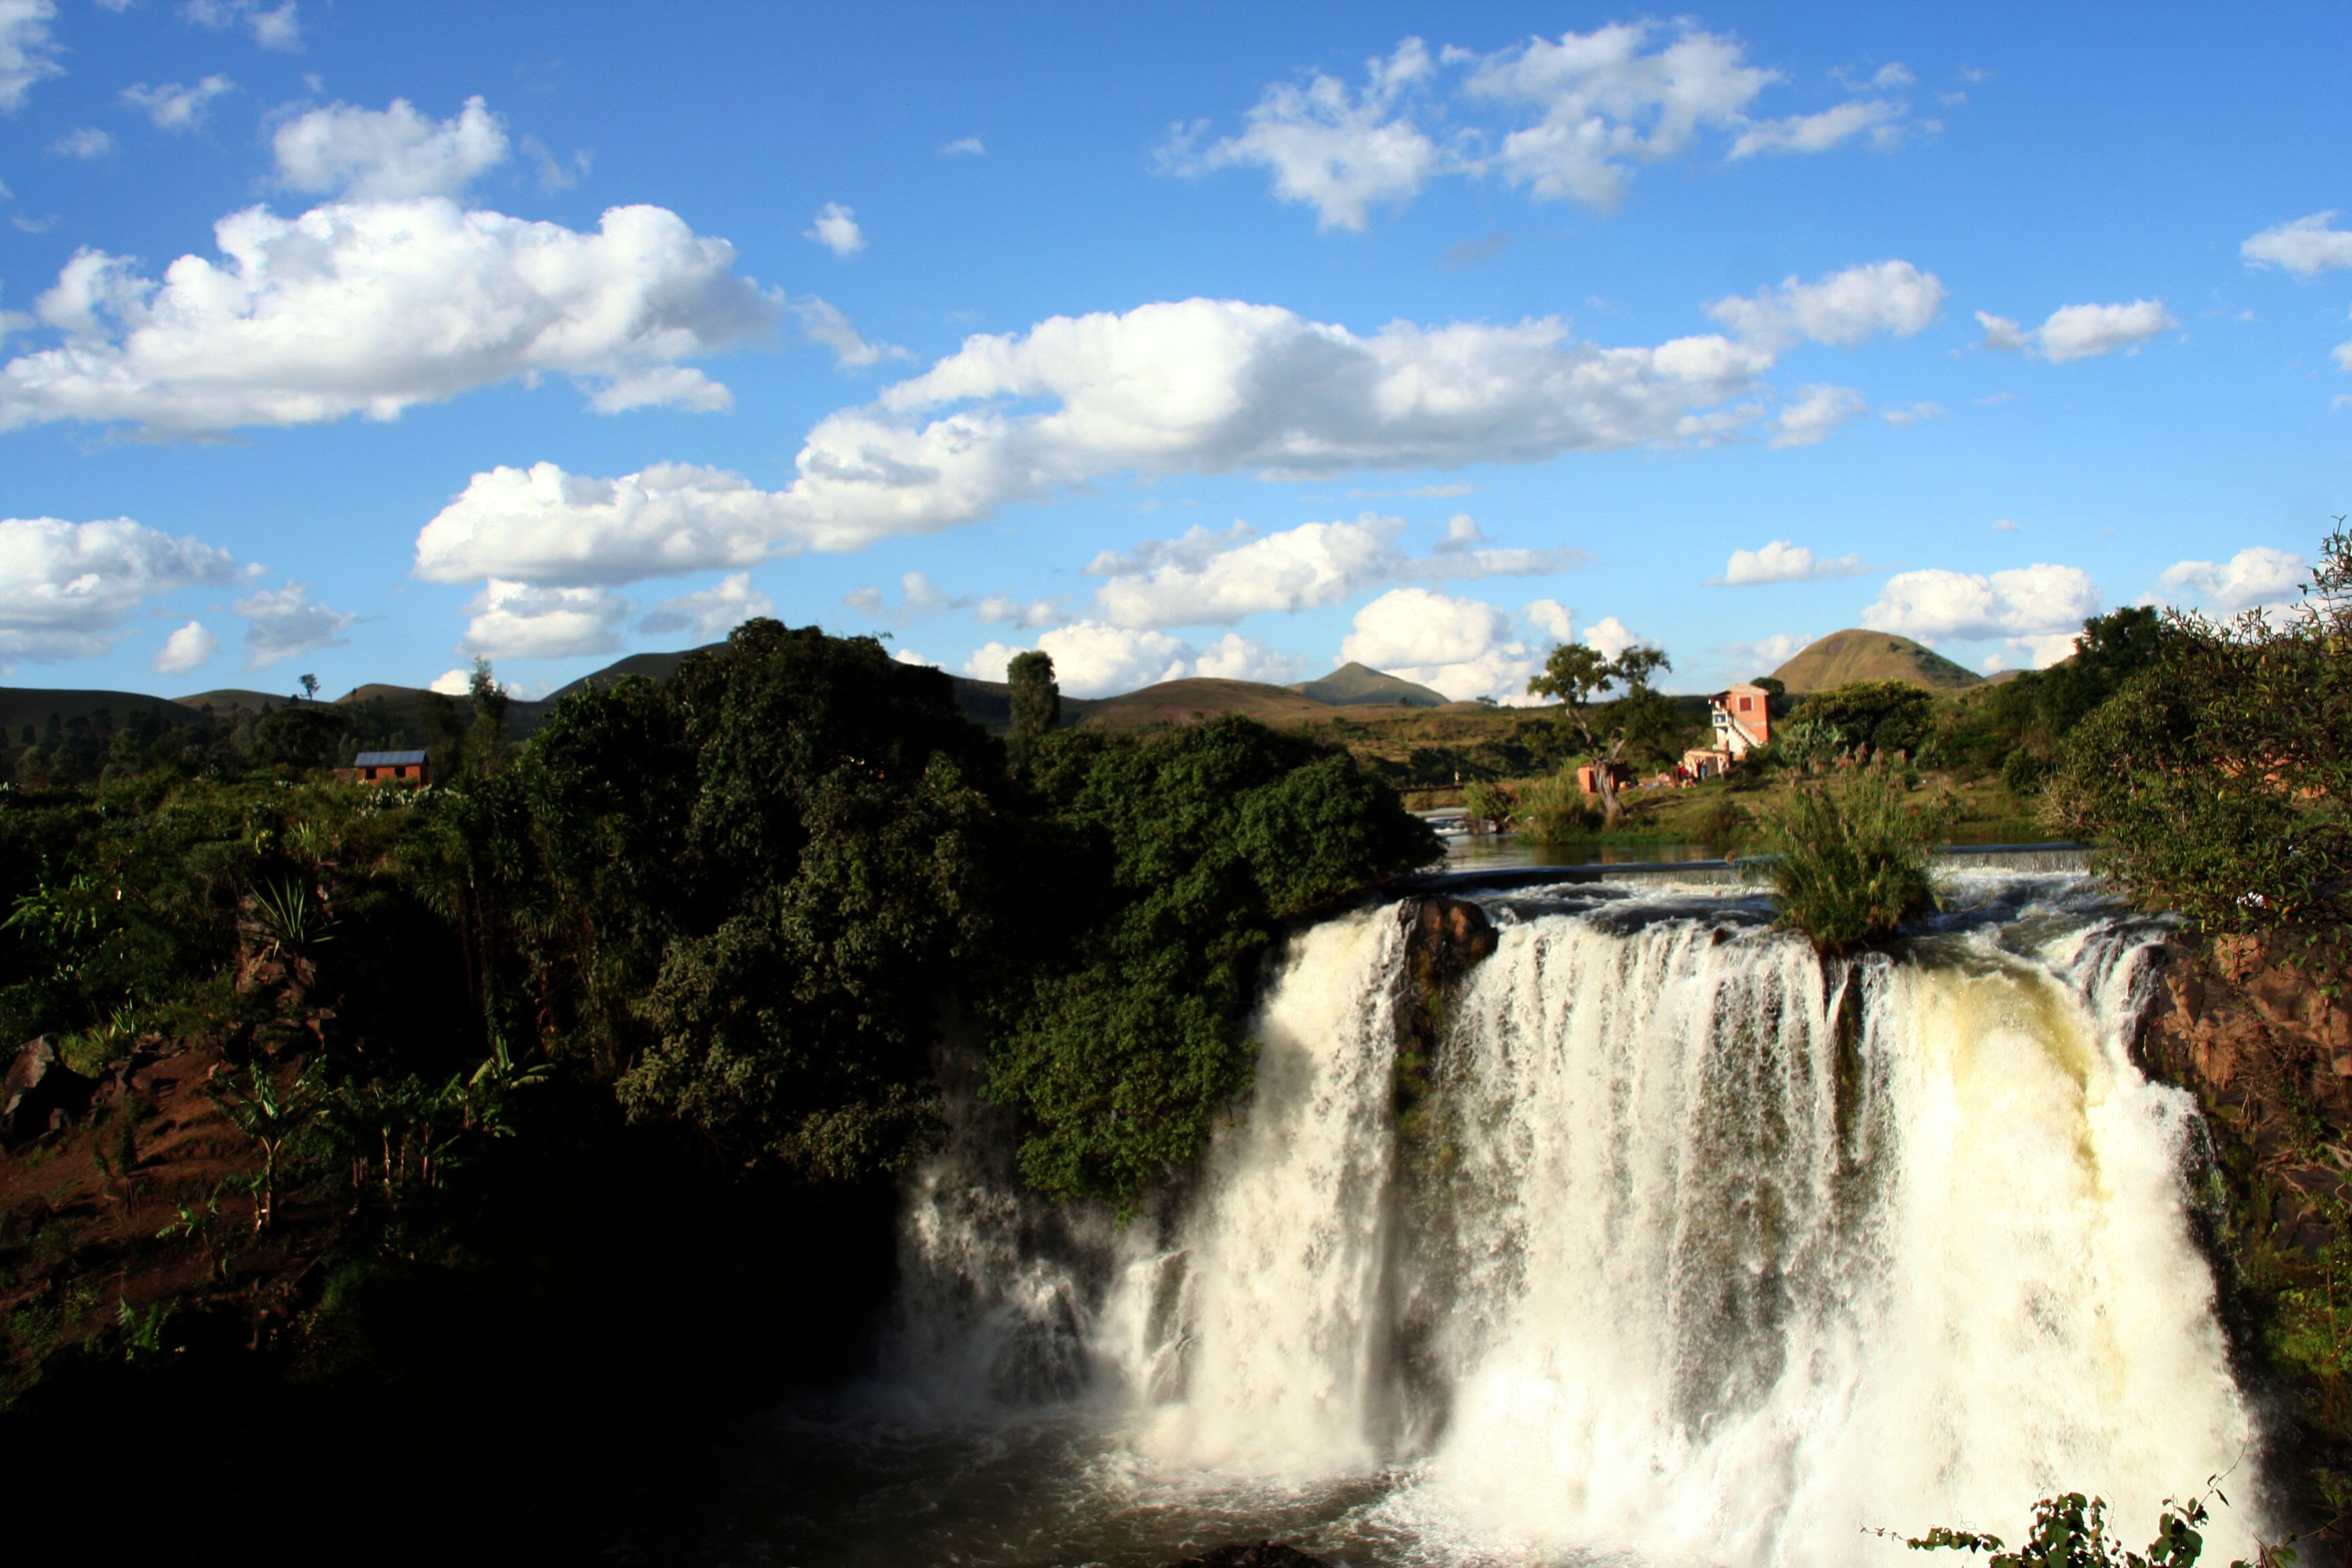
[1482,802]
[1553,809]
[1849,861]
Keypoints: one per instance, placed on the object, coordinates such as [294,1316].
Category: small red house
[387,767]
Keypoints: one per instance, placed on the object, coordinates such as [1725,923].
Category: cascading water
[1686,1247]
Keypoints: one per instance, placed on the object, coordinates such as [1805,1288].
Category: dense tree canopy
[2217,778]
[1176,859]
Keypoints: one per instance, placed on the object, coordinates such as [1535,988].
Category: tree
[1037,701]
[1891,715]
[297,737]
[761,881]
[2112,649]
[309,687]
[1574,675]
[488,747]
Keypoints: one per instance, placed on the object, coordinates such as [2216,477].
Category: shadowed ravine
[1683,1247]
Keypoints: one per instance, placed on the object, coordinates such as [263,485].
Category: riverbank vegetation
[2213,781]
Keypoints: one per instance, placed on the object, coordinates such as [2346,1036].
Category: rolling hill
[24,705]
[1180,701]
[1360,685]
[1844,657]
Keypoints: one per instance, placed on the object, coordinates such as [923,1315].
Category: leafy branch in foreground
[1850,860]
[2070,1530]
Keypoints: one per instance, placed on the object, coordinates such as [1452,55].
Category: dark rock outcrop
[1253,1554]
[41,1092]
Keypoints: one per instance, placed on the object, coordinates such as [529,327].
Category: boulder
[41,1092]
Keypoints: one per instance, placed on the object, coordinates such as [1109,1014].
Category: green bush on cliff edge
[1849,859]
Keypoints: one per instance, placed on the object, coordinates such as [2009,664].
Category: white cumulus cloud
[2257,576]
[371,307]
[1328,147]
[282,622]
[964,147]
[2039,610]
[28,50]
[822,323]
[1611,635]
[1466,648]
[1608,102]
[388,154]
[1091,659]
[1842,308]
[277,27]
[1878,119]
[192,647]
[836,229]
[1817,413]
[712,613]
[2308,245]
[1004,610]
[86,143]
[519,620]
[67,589]
[1578,116]
[1782,561]
[2079,331]
[173,107]
[1207,576]
[1762,656]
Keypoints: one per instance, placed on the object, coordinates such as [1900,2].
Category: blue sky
[358,339]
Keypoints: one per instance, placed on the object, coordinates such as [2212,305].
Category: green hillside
[1843,658]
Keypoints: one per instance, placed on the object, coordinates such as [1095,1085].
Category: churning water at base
[1684,1248]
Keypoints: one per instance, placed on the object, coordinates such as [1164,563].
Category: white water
[1707,1253]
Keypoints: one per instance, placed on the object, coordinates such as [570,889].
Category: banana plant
[274,1116]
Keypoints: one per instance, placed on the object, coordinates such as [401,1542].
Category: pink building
[1743,720]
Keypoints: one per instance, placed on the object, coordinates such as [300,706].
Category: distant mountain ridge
[987,703]
[1843,658]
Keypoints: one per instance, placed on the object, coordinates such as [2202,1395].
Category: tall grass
[1849,858]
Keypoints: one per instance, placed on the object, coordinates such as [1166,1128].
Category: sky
[362,341]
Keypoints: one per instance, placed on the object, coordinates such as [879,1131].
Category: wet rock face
[1445,940]
[1254,1554]
[2246,1016]
[1449,937]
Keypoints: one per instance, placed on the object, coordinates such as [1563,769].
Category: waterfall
[1696,1246]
